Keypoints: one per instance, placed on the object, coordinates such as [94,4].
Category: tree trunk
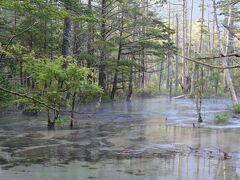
[184,77]
[114,87]
[177,57]
[90,48]
[130,85]
[190,48]
[168,54]
[198,101]
[227,77]
[201,42]
[72,109]
[102,74]
[66,37]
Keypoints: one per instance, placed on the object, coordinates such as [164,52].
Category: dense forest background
[56,53]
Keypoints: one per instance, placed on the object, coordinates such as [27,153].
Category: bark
[77,41]
[190,29]
[198,100]
[144,30]
[45,43]
[130,85]
[177,57]
[90,48]
[115,80]
[66,47]
[168,55]
[66,37]
[21,72]
[160,76]
[212,66]
[72,109]
[193,78]
[201,42]
[190,48]
[210,48]
[184,77]
[102,73]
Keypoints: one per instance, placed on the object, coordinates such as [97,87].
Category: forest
[88,83]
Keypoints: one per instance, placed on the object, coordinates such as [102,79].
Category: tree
[227,76]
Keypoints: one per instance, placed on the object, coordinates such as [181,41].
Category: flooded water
[146,139]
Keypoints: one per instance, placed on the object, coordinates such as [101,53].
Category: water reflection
[178,167]
[145,139]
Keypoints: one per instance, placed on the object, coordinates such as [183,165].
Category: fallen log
[179,97]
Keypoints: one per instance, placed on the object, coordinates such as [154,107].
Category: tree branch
[221,56]
[11,39]
[28,97]
[231,32]
[209,65]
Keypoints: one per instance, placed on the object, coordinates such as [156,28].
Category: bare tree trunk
[190,30]
[130,85]
[102,73]
[114,87]
[198,94]
[201,40]
[176,57]
[90,49]
[76,40]
[209,34]
[144,29]
[201,31]
[213,37]
[168,55]
[227,77]
[184,77]
[190,48]
[198,101]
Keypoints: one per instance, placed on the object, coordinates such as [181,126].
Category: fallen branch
[29,97]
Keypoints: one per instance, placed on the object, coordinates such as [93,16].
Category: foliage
[63,120]
[236,108]
[221,118]
[32,110]
[149,91]
[52,81]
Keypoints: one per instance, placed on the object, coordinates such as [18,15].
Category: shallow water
[146,139]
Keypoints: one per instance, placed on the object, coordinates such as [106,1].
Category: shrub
[31,110]
[236,108]
[149,91]
[221,118]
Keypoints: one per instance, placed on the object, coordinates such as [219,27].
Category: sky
[163,12]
